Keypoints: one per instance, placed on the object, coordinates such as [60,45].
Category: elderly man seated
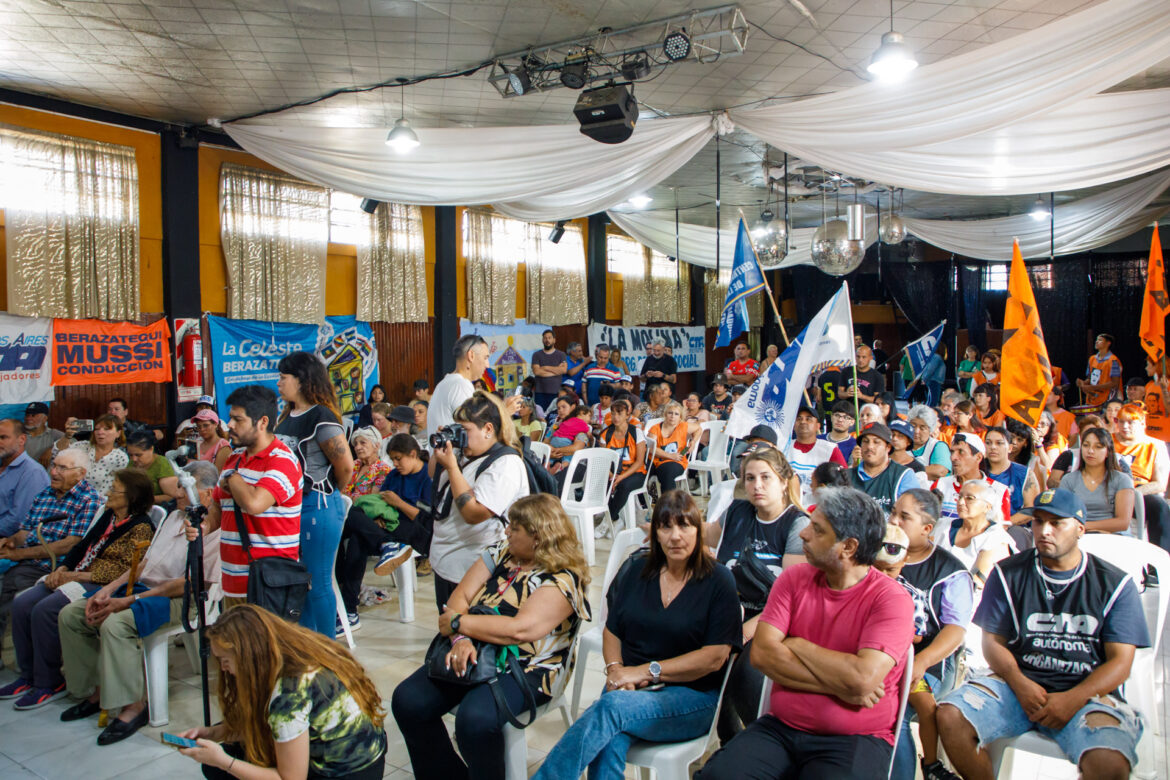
[99,635]
[56,521]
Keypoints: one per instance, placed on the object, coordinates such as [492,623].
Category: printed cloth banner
[1026,379]
[246,352]
[25,370]
[688,346]
[746,280]
[774,398]
[347,349]
[922,350]
[510,349]
[92,352]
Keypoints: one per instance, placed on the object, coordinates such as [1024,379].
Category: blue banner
[922,350]
[746,280]
[246,352]
[347,349]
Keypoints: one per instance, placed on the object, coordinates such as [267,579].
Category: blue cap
[901,426]
[1059,502]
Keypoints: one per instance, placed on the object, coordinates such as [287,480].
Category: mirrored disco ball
[892,229]
[774,247]
[833,252]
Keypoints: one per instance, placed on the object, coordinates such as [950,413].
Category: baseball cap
[402,414]
[1059,502]
[765,432]
[206,399]
[37,407]
[206,414]
[972,441]
[879,430]
[902,427]
[805,408]
[568,383]
[625,378]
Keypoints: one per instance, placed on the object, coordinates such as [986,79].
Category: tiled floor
[37,745]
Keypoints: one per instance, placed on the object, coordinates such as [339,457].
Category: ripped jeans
[990,706]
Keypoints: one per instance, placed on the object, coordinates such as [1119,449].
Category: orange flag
[1026,373]
[1155,305]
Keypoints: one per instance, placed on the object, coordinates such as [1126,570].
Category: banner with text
[25,371]
[347,349]
[92,352]
[246,352]
[510,348]
[687,345]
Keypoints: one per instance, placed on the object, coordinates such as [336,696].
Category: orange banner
[92,352]
[1027,374]
[1155,305]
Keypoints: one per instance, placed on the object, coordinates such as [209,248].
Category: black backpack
[539,480]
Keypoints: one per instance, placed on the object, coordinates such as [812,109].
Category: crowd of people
[883,540]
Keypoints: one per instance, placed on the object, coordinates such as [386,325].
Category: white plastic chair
[1137,526]
[157,515]
[406,580]
[716,458]
[346,505]
[599,463]
[903,699]
[624,545]
[1132,556]
[722,494]
[629,513]
[672,760]
[542,451]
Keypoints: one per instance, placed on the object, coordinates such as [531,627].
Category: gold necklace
[667,596]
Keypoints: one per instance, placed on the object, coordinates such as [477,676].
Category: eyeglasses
[965,498]
[56,467]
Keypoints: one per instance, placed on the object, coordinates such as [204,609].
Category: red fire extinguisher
[192,358]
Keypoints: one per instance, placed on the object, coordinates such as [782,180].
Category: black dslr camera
[456,434]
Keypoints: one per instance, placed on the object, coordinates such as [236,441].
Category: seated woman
[623,436]
[903,452]
[986,399]
[670,453]
[1050,443]
[1068,460]
[695,415]
[755,539]
[988,372]
[571,433]
[164,484]
[673,621]
[966,420]
[1107,491]
[104,447]
[871,413]
[369,470]
[294,704]
[526,423]
[211,446]
[102,555]
[537,582]
[981,540]
[380,419]
[365,414]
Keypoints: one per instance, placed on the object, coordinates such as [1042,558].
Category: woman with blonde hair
[292,701]
[536,581]
[670,454]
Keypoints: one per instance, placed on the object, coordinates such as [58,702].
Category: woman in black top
[366,414]
[311,427]
[673,621]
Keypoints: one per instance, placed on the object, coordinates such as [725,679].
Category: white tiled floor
[37,745]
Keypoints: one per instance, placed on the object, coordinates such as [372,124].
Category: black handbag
[492,662]
[278,585]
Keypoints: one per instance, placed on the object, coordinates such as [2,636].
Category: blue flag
[746,280]
[923,350]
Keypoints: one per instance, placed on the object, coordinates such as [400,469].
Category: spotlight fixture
[402,138]
[575,73]
[558,232]
[677,46]
[1039,210]
[518,79]
[766,216]
[893,58]
[640,201]
[369,205]
[635,66]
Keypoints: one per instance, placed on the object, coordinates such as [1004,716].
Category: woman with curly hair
[311,427]
[536,581]
[292,701]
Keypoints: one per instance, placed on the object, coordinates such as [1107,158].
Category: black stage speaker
[607,114]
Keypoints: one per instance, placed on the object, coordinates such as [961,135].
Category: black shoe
[82,709]
[118,730]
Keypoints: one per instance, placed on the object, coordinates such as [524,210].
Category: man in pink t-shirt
[833,638]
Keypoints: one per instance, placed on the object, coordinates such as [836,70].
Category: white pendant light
[893,58]
[1040,210]
[402,138]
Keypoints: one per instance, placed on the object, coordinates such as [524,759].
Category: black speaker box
[607,114]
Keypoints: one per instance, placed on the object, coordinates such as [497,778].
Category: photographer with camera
[475,488]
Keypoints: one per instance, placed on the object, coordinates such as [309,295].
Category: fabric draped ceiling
[391,266]
[71,210]
[275,235]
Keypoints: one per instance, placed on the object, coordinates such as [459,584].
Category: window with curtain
[391,265]
[555,274]
[275,235]
[670,289]
[628,258]
[715,293]
[493,247]
[71,208]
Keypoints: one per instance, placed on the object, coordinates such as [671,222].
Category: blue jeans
[991,707]
[321,524]
[906,756]
[602,736]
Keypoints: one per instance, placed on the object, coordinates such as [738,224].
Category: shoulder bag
[279,585]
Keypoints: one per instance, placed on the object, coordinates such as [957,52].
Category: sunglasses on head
[893,549]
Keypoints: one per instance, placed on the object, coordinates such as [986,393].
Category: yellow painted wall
[148,152]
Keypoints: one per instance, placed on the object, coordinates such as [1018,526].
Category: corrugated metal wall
[405,353]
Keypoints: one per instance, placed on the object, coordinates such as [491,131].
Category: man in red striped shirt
[261,482]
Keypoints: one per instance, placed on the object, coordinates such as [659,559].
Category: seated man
[1060,628]
[876,475]
[63,511]
[21,478]
[834,637]
[99,635]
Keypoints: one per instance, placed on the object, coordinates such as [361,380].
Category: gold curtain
[71,208]
[716,293]
[391,266]
[670,288]
[630,259]
[275,235]
[491,274]
[556,277]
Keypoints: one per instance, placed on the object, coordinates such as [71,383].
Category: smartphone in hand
[177,741]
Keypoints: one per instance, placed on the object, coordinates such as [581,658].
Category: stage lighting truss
[629,54]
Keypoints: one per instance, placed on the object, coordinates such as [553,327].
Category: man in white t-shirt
[805,452]
[471,360]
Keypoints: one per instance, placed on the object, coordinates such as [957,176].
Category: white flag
[774,398]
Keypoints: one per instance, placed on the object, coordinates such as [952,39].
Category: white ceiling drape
[1079,226]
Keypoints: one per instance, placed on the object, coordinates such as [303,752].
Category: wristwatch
[655,672]
[455,623]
